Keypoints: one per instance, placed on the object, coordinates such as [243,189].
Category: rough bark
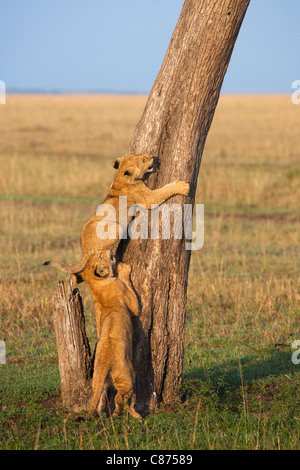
[174,126]
[74,355]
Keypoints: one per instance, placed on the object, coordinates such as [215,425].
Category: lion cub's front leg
[124,271]
[131,300]
[158,196]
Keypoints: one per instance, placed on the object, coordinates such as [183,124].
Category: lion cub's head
[101,265]
[132,168]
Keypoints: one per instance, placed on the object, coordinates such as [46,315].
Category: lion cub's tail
[69,269]
[98,389]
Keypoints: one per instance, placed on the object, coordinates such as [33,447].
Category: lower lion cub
[114,302]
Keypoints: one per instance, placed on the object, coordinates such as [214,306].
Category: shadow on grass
[231,375]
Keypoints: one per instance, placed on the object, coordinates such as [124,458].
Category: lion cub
[129,182]
[114,302]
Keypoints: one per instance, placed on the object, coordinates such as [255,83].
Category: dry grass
[252,155]
[50,136]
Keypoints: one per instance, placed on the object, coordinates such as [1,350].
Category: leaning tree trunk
[174,126]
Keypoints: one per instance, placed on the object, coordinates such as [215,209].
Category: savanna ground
[240,387]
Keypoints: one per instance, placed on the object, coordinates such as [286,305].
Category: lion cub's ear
[116,163]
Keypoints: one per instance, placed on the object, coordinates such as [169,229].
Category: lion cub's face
[132,168]
[101,264]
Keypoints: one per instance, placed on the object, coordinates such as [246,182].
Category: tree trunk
[174,126]
[74,355]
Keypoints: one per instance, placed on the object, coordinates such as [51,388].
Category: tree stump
[74,354]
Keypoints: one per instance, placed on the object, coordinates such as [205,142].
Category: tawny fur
[114,303]
[131,170]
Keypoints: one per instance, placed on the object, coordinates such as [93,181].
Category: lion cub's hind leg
[123,382]
[103,401]
[124,387]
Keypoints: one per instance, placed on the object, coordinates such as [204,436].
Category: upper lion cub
[114,302]
[131,170]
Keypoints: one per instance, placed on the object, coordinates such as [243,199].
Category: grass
[240,387]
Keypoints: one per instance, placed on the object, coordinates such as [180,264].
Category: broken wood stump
[74,354]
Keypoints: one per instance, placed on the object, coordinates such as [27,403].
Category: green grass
[247,404]
[240,387]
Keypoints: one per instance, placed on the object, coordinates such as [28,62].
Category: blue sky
[118,45]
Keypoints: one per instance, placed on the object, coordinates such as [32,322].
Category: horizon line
[65,91]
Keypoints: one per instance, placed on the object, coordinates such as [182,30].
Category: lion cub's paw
[124,269]
[182,187]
